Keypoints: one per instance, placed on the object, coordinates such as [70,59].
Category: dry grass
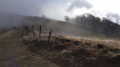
[67,52]
[62,51]
[111,43]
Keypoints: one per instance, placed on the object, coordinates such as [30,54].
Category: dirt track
[14,54]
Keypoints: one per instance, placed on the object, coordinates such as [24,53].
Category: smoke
[12,12]
[9,20]
[97,8]
[54,9]
[113,17]
[80,4]
[23,7]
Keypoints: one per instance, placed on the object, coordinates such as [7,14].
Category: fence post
[30,31]
[40,31]
[33,30]
[26,30]
[49,35]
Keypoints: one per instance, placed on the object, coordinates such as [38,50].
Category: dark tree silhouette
[67,18]
[97,25]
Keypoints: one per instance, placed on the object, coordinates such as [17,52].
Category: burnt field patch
[72,53]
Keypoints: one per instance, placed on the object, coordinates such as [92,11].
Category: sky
[57,9]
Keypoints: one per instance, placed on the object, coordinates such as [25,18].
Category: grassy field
[61,51]
[68,51]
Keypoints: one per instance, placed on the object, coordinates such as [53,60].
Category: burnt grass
[71,53]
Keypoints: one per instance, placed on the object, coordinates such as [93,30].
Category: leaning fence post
[40,31]
[49,35]
[33,30]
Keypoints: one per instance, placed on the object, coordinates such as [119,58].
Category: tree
[81,21]
[43,16]
[67,18]
[95,24]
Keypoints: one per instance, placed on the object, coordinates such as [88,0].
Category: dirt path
[14,54]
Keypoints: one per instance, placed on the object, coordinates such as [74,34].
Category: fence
[31,31]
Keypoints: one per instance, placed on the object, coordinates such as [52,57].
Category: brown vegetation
[72,53]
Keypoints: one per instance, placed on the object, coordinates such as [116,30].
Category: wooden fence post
[26,30]
[30,31]
[49,35]
[33,30]
[40,31]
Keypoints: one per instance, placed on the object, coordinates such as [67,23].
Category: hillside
[61,27]
[8,21]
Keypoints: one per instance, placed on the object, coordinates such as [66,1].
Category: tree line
[95,24]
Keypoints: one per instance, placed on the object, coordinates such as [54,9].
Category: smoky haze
[24,7]
[9,20]
[49,8]
[11,11]
[80,4]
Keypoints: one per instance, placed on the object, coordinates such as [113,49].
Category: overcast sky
[57,9]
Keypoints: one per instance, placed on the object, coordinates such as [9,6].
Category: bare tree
[67,18]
